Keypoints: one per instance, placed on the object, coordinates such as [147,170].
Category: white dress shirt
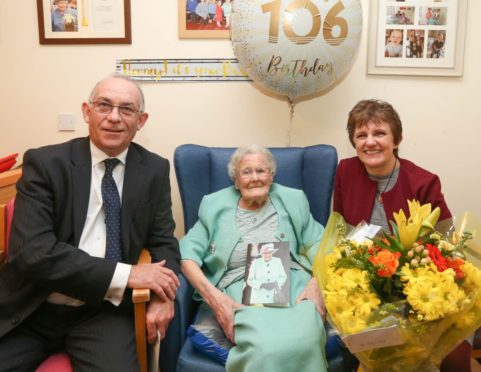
[93,239]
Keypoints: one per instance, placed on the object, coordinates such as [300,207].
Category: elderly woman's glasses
[248,173]
[104,107]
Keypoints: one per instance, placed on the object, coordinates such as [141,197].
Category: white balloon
[296,47]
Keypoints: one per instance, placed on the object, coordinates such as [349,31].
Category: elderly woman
[376,183]
[214,258]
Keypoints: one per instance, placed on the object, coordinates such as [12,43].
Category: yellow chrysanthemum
[350,323]
[332,258]
[433,294]
[356,278]
[472,280]
[348,280]
[336,304]
[349,299]
[366,303]
[409,274]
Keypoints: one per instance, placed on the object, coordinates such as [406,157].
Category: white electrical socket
[66,122]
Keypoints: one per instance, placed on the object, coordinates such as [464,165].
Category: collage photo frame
[417,37]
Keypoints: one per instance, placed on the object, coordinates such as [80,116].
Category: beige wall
[441,116]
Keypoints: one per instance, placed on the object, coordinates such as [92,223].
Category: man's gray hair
[141,94]
[250,150]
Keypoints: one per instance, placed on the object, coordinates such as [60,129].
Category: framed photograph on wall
[204,19]
[417,37]
[84,21]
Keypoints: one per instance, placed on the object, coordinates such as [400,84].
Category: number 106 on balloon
[296,47]
[334,27]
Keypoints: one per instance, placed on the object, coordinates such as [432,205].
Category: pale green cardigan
[212,239]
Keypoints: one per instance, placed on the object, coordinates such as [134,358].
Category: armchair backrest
[202,170]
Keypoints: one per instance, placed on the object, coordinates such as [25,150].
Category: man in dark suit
[62,287]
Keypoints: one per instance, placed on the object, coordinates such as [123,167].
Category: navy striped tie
[111,204]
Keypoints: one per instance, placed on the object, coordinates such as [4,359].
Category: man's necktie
[111,204]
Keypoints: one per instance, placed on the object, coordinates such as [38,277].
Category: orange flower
[386,262]
[455,264]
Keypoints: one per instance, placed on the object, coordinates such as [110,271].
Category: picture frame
[189,30]
[84,22]
[418,38]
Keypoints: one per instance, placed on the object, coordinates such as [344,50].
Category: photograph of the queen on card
[268,278]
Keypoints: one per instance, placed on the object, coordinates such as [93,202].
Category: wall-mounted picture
[400,15]
[204,19]
[436,42]
[393,43]
[420,38]
[415,43]
[433,16]
[84,21]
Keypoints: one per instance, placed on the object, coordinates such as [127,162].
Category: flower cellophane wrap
[402,301]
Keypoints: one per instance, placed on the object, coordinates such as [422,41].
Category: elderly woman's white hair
[250,150]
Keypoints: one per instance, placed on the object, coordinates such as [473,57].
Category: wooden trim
[2,233]
[140,297]
[140,335]
[10,177]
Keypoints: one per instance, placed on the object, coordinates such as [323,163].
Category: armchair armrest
[140,297]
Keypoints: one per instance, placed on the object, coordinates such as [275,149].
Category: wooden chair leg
[140,297]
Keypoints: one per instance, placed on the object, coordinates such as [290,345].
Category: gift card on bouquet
[373,339]
[364,231]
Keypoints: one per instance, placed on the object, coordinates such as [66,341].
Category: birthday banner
[181,69]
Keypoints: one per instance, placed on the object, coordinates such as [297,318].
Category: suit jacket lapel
[81,175]
[133,189]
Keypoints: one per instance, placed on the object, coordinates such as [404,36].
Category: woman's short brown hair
[376,111]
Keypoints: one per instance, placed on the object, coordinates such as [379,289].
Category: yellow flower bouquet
[401,302]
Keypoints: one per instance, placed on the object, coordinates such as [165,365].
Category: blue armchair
[202,170]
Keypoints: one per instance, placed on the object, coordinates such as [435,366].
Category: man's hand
[161,280]
[313,293]
[158,316]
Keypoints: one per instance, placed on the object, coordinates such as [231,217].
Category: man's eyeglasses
[104,107]
[248,173]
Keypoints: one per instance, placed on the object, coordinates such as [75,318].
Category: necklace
[379,198]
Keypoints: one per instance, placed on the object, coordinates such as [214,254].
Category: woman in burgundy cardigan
[376,183]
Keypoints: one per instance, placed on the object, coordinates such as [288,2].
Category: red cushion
[59,362]
[7,162]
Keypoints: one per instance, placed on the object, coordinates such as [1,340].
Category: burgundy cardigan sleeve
[417,183]
[354,191]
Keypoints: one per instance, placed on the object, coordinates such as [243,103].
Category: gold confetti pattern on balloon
[296,47]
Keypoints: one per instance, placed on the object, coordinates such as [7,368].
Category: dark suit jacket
[50,213]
